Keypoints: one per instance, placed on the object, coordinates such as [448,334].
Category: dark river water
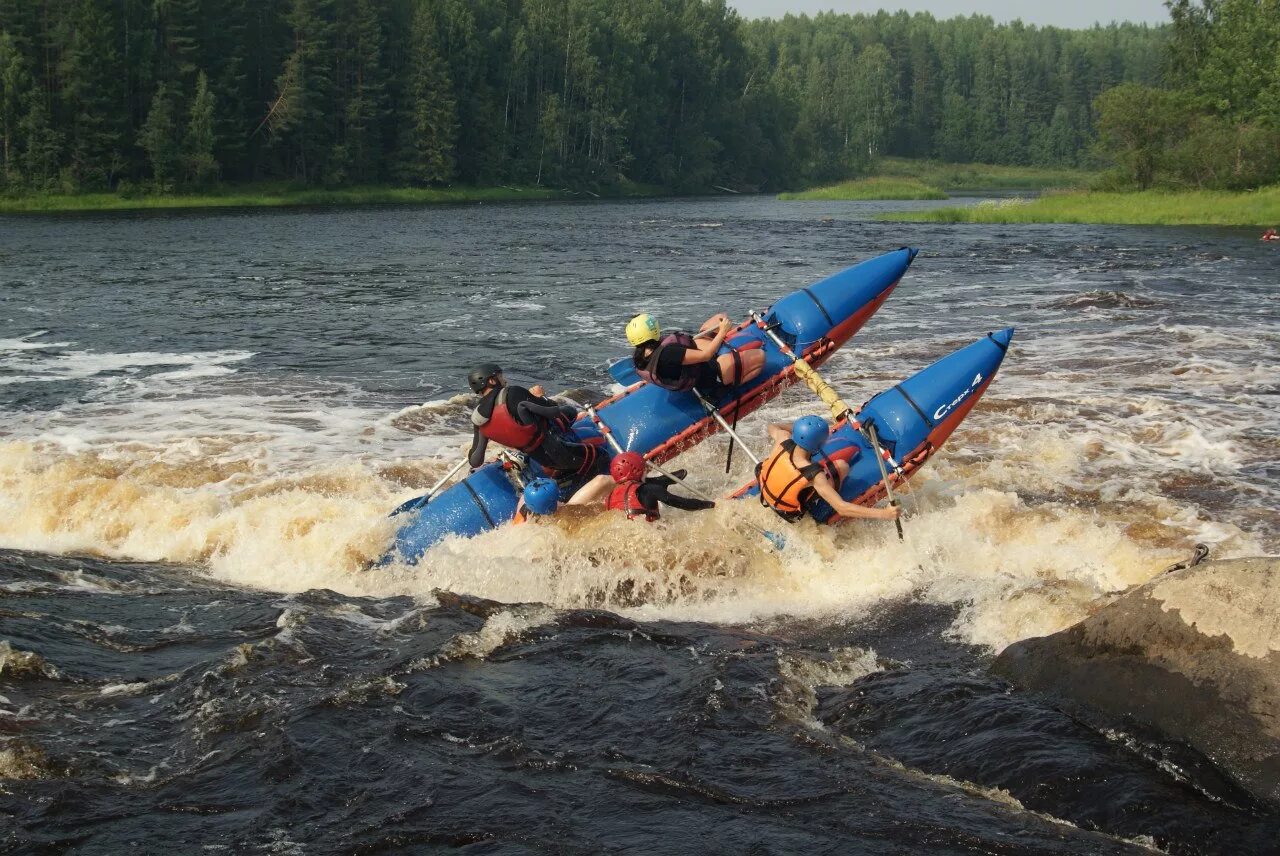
[204,419]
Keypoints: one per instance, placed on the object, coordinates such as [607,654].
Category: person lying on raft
[791,481]
[525,420]
[679,361]
[637,496]
[541,498]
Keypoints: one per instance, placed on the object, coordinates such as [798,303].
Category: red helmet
[627,467]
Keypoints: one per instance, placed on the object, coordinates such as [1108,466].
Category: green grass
[870,189]
[953,177]
[1154,208]
[281,195]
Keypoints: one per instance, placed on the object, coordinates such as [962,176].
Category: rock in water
[1194,653]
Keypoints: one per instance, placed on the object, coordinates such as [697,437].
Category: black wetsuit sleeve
[652,492]
[538,408]
[527,408]
[478,446]
[663,480]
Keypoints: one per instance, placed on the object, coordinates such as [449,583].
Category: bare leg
[593,491]
[752,365]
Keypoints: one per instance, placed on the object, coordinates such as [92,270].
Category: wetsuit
[535,424]
[642,498]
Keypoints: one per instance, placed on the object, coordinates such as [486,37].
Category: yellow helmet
[643,328]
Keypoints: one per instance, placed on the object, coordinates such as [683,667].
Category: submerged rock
[1194,653]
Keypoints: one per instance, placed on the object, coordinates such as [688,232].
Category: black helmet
[482,374]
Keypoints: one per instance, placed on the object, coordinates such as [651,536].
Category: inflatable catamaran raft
[658,423]
[911,421]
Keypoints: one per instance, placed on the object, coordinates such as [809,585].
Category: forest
[158,95]
[1215,123]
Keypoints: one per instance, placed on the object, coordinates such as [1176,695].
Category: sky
[1062,13]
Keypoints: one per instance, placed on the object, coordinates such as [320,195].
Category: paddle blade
[412,505]
[776,539]
[624,372]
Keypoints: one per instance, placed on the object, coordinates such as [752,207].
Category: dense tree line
[108,94]
[1218,124]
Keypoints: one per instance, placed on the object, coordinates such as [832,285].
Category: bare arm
[706,349]
[780,432]
[825,489]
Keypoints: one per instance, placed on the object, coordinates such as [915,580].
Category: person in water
[679,361]
[541,498]
[1270,235]
[637,496]
[527,421]
[791,480]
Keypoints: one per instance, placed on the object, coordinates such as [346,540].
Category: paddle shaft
[884,475]
[811,378]
[431,491]
[724,423]
[617,447]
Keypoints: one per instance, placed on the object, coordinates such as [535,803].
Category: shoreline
[282,196]
[1256,208]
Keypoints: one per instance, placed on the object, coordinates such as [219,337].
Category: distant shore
[1145,208]
[278,195]
[906,178]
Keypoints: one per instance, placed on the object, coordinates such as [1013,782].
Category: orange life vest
[785,487]
[522,515]
[626,498]
[502,427]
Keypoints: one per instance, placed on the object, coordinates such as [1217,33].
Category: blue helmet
[810,432]
[542,496]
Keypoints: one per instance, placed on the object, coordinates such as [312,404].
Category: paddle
[773,538]
[421,501]
[716,415]
[839,409]
[884,475]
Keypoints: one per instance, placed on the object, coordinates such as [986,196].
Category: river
[205,417]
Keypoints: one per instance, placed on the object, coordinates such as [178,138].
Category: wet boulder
[1194,653]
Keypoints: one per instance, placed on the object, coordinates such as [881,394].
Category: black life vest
[649,371]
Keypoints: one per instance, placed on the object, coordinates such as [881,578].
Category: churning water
[205,418]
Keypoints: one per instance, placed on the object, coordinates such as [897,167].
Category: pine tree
[159,138]
[43,149]
[301,117]
[15,90]
[93,95]
[428,125]
[201,166]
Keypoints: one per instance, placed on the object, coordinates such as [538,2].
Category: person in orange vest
[527,421]
[791,480]
[637,496]
[540,498]
[679,361]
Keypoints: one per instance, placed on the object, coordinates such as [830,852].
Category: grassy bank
[283,195]
[954,177]
[870,189]
[1154,208]
[905,178]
